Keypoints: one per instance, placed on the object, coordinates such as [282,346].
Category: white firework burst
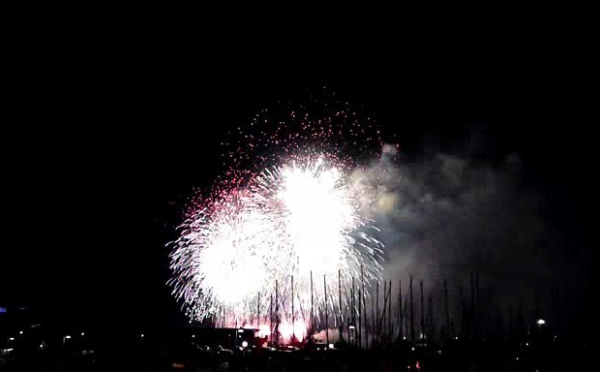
[293,233]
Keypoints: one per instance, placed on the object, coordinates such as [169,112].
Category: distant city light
[68,337]
[20,332]
[244,343]
[83,333]
[142,335]
[11,339]
[331,346]
[541,322]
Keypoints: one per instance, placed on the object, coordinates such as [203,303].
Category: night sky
[101,145]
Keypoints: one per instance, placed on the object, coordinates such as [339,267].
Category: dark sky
[99,140]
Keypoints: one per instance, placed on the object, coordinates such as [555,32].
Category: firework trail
[287,211]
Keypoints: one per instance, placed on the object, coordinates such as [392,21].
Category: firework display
[286,228]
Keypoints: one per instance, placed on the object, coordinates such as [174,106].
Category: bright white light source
[20,332]
[331,346]
[264,331]
[142,335]
[244,343]
[67,337]
[11,339]
[541,322]
[301,216]
[83,333]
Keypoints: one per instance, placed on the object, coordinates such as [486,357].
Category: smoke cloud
[447,216]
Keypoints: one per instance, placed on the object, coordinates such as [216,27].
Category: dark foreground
[191,351]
